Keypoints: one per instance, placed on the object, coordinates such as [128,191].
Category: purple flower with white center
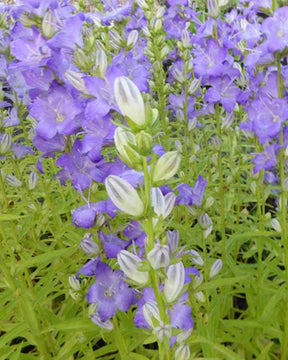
[112,244]
[209,61]
[110,292]
[223,91]
[56,112]
[79,168]
[30,50]
[191,195]
[276,30]
[266,160]
[267,116]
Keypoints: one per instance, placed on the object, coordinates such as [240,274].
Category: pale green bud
[13,181]
[101,63]
[74,283]
[49,24]
[132,38]
[213,8]
[163,331]
[151,313]
[144,143]
[123,140]
[124,196]
[276,225]
[167,166]
[75,79]
[159,256]
[5,144]
[215,268]
[33,180]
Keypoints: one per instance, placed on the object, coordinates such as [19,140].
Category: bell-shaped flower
[124,196]
[129,100]
[166,166]
[129,264]
[174,282]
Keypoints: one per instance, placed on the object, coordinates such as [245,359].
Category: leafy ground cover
[143,183]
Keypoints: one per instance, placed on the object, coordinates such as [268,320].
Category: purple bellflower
[110,292]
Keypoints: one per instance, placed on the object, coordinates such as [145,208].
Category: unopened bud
[183,336]
[76,295]
[74,283]
[123,140]
[49,24]
[174,282]
[182,352]
[205,221]
[163,331]
[227,121]
[180,115]
[129,100]
[200,296]
[167,166]
[209,202]
[213,8]
[124,196]
[101,63]
[194,86]
[160,12]
[115,39]
[75,79]
[129,264]
[185,38]
[276,225]
[33,180]
[164,52]
[88,245]
[196,257]
[173,240]
[159,256]
[179,76]
[216,268]
[151,313]
[192,124]
[144,143]
[157,25]
[13,181]
[285,184]
[5,144]
[132,39]
[146,31]
[142,4]
[253,187]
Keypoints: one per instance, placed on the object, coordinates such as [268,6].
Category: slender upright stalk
[221,186]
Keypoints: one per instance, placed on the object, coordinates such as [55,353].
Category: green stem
[120,340]
[283,213]
[221,186]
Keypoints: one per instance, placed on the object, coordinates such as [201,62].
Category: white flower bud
[33,180]
[166,166]
[162,205]
[215,268]
[164,52]
[160,12]
[142,4]
[209,202]
[173,240]
[129,100]
[200,296]
[192,123]
[88,245]
[178,146]
[276,225]
[146,31]
[101,63]
[179,76]
[123,140]
[124,196]
[197,281]
[223,2]
[159,256]
[227,121]
[49,24]
[74,283]
[132,39]
[76,295]
[163,331]
[182,352]
[5,144]
[196,257]
[129,264]
[205,221]
[99,219]
[285,184]
[185,38]
[151,313]
[253,187]
[183,336]
[75,79]
[157,25]
[13,181]
[180,115]
[194,86]
[213,8]
[175,281]
[115,39]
